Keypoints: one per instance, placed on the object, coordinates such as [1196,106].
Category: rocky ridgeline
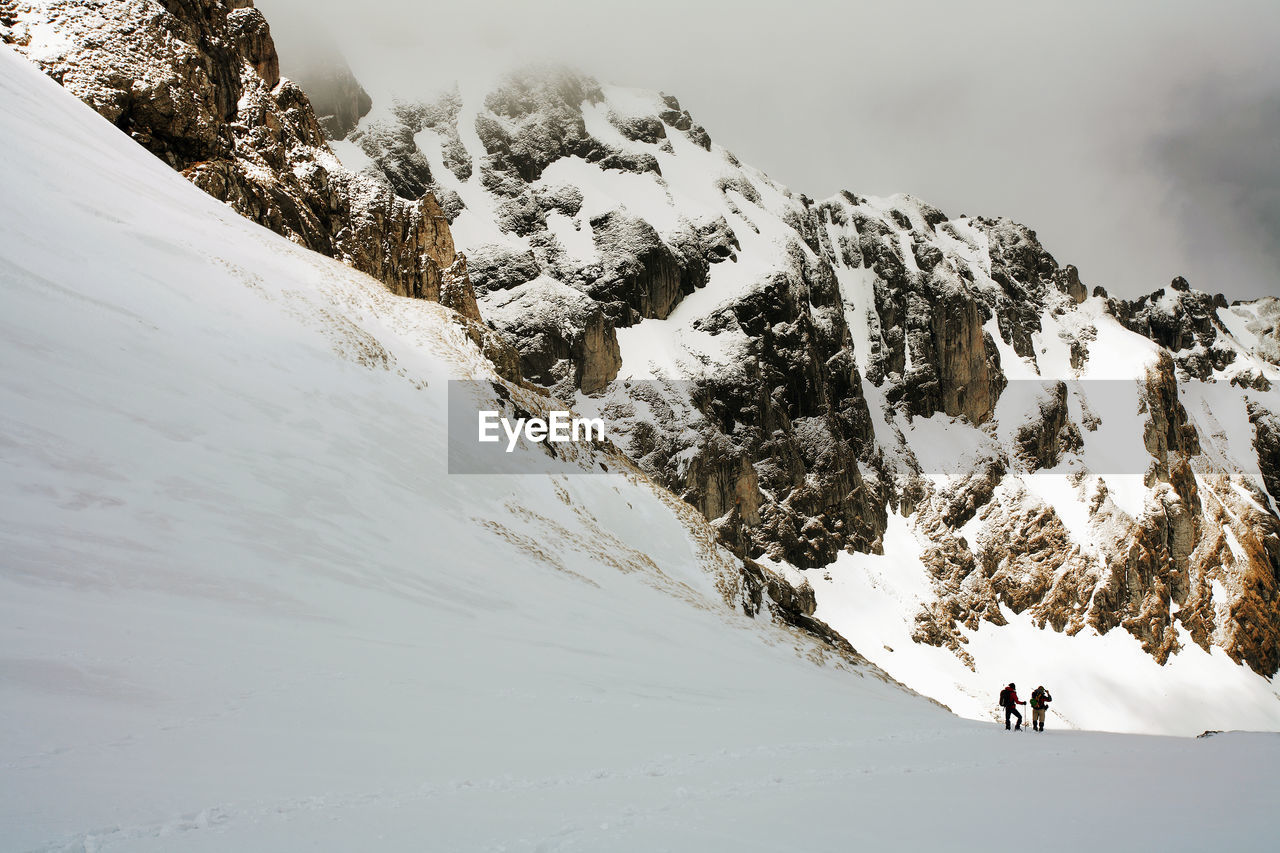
[790,422]
[859,316]
[1186,322]
[197,83]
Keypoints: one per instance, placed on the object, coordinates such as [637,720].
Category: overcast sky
[1140,140]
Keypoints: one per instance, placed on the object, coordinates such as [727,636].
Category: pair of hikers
[1040,700]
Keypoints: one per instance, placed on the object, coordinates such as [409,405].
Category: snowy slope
[243,606]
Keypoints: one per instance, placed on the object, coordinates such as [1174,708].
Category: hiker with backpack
[1040,700]
[1009,701]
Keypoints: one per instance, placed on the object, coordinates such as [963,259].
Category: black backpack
[1004,698]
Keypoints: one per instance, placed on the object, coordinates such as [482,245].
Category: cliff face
[803,371]
[197,83]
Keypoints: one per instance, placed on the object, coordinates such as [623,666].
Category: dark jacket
[1040,698]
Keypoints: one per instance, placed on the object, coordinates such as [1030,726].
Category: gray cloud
[1222,163]
[1137,138]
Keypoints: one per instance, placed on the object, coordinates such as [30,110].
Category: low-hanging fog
[1141,140]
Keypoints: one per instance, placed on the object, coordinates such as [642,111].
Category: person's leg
[1037,719]
[1018,714]
[1008,710]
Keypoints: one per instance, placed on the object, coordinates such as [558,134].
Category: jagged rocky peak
[1204,332]
[197,82]
[1183,321]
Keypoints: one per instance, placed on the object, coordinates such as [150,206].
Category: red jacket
[1013,698]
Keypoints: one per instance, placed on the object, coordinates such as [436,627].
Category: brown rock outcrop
[1266,443]
[595,353]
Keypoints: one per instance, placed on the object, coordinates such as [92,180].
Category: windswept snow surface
[243,607]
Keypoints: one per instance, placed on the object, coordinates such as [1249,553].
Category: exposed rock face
[1266,441]
[565,348]
[253,41]
[197,82]
[789,425]
[456,291]
[641,276]
[680,120]
[595,355]
[955,365]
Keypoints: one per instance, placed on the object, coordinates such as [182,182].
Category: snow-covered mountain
[245,607]
[858,389]
[960,459]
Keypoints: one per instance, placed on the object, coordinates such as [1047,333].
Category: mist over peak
[1053,117]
